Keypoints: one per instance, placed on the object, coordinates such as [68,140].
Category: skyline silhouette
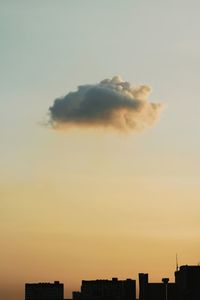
[185,287]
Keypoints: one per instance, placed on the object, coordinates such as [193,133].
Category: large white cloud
[112,103]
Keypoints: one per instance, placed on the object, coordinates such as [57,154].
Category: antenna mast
[177,267]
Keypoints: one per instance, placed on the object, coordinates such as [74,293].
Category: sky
[87,203]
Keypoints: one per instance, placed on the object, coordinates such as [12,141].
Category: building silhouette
[44,291]
[185,287]
[156,291]
[107,290]
[187,280]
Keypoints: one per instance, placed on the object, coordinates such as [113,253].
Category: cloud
[112,103]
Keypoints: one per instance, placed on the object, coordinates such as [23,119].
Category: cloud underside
[112,103]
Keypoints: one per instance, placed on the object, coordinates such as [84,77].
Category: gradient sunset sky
[86,204]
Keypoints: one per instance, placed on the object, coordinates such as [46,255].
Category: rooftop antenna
[177,267]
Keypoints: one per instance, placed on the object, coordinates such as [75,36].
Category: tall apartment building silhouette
[187,280]
[107,290]
[44,291]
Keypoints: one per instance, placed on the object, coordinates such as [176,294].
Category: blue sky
[49,48]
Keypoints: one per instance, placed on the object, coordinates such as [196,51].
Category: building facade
[187,280]
[107,290]
[44,291]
